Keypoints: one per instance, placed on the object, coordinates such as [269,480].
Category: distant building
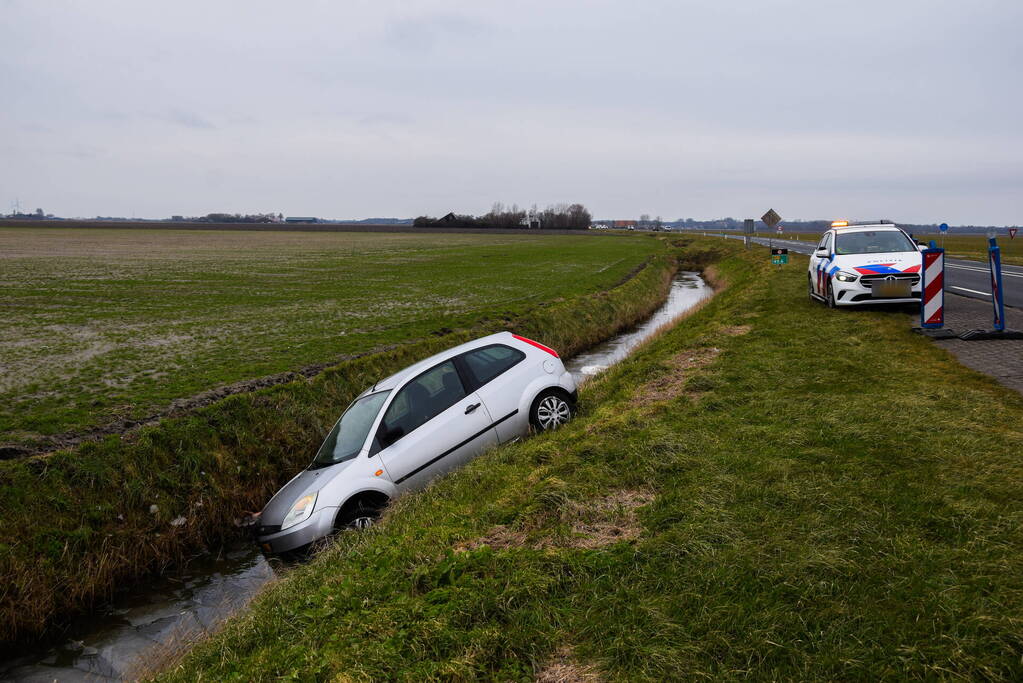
[301,219]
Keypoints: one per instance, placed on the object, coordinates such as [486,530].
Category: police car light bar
[849,224]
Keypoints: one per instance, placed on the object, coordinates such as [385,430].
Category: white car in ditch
[415,425]
[869,263]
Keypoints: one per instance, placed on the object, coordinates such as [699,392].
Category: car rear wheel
[550,410]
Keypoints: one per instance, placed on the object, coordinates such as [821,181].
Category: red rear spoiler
[538,345]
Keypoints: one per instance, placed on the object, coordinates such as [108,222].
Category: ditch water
[160,616]
[687,290]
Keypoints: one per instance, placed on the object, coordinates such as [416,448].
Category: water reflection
[687,290]
[151,620]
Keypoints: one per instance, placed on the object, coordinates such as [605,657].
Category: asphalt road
[966,278]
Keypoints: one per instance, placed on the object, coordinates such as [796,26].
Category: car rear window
[487,363]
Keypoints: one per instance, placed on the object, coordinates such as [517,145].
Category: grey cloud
[679,108]
[187,119]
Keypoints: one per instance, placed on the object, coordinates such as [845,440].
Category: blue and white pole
[994,257]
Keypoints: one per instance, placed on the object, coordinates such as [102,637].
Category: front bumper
[319,525]
[855,294]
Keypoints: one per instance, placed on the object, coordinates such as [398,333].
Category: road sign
[771,218]
[943,227]
[1012,233]
[779,256]
[747,231]
[779,230]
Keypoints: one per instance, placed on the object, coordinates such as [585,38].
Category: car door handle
[471,408]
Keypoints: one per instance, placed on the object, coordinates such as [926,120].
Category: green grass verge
[830,497]
[975,247]
[77,523]
[972,247]
[103,326]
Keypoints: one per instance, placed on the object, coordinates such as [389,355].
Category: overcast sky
[900,109]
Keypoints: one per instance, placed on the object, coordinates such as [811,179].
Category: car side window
[827,242]
[824,241]
[421,400]
[490,361]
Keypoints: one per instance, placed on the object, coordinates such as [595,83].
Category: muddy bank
[177,408]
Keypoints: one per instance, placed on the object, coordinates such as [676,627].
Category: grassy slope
[835,498]
[77,523]
[112,324]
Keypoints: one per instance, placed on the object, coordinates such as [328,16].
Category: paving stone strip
[999,358]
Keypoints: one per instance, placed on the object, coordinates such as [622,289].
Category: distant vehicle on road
[415,425]
[868,263]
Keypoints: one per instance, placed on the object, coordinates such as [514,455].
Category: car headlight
[843,276]
[300,511]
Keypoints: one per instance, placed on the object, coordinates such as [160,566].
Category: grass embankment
[975,247]
[104,327]
[78,522]
[771,490]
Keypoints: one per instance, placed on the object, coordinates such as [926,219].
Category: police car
[865,263]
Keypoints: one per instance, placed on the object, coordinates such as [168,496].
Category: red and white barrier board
[932,308]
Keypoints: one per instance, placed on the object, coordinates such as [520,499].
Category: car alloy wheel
[552,411]
[831,296]
[362,516]
[362,523]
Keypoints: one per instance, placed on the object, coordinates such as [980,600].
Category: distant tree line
[233,218]
[554,217]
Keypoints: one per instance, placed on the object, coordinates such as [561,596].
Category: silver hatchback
[415,425]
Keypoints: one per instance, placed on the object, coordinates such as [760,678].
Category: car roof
[872,227]
[399,377]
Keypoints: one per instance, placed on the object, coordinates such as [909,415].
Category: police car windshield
[872,242]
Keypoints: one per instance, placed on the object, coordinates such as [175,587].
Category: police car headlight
[843,276]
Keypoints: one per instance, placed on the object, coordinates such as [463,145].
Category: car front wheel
[550,410]
[831,296]
[361,515]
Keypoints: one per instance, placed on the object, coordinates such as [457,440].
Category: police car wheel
[809,288]
[831,296]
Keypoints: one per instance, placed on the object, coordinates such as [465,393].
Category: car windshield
[349,434]
[872,242]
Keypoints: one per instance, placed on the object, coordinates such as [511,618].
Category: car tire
[362,515]
[831,296]
[551,409]
[809,288]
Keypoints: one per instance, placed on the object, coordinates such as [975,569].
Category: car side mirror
[821,253]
